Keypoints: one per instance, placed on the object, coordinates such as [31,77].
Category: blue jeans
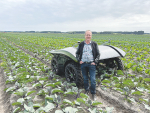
[91,69]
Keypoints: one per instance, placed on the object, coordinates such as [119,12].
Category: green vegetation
[22,71]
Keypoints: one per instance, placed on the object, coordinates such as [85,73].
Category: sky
[75,15]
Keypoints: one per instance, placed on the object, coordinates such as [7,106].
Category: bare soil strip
[5,105]
[107,99]
[118,102]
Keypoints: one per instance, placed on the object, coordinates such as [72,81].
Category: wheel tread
[79,78]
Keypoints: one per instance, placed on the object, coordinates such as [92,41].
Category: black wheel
[54,66]
[115,63]
[119,64]
[73,74]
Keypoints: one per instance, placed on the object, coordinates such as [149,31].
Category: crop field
[33,88]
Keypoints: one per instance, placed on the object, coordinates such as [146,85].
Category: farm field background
[26,76]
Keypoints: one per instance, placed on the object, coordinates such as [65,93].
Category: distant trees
[50,32]
[108,32]
[30,31]
[76,32]
[82,32]
[124,32]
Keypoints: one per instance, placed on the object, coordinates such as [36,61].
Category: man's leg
[85,76]
[92,72]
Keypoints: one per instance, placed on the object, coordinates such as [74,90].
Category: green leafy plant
[137,93]
[56,90]
[70,110]
[42,92]
[66,101]
[17,110]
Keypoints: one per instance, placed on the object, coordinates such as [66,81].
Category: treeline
[108,32]
[82,32]
[42,31]
[125,32]
[33,31]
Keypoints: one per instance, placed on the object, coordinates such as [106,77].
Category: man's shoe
[87,92]
[94,97]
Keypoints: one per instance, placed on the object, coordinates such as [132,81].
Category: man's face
[88,36]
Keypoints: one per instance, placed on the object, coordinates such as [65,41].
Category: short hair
[88,30]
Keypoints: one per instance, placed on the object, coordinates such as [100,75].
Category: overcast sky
[75,15]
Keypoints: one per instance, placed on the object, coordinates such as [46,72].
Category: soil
[5,105]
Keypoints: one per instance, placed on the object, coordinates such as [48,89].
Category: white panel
[72,50]
[105,51]
[108,52]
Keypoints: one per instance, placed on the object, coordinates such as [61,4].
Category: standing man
[88,56]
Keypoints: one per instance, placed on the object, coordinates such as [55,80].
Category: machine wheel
[54,66]
[115,63]
[73,74]
[119,64]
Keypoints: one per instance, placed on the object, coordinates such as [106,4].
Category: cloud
[107,23]
[96,14]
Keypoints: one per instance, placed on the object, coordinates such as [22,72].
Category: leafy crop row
[36,89]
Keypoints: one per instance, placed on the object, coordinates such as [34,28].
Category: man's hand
[81,62]
[92,63]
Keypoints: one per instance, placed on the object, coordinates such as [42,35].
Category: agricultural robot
[64,62]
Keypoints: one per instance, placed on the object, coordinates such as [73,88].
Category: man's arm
[97,54]
[78,54]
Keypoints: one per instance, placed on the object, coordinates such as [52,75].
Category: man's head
[88,35]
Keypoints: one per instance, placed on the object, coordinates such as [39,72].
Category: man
[88,56]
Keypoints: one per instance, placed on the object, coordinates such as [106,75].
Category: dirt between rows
[5,105]
[105,97]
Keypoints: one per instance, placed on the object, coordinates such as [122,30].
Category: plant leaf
[57,91]
[147,106]
[28,76]
[66,101]
[147,79]
[137,93]
[81,100]
[37,85]
[70,110]
[71,93]
[49,97]
[30,92]
[30,109]
[52,85]
[77,103]
[19,93]
[36,105]
[83,95]
[57,83]
[96,103]
[21,100]
[17,110]
[16,104]
[92,111]
[10,89]
[49,106]
[105,81]
[109,109]
[120,72]
[59,111]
